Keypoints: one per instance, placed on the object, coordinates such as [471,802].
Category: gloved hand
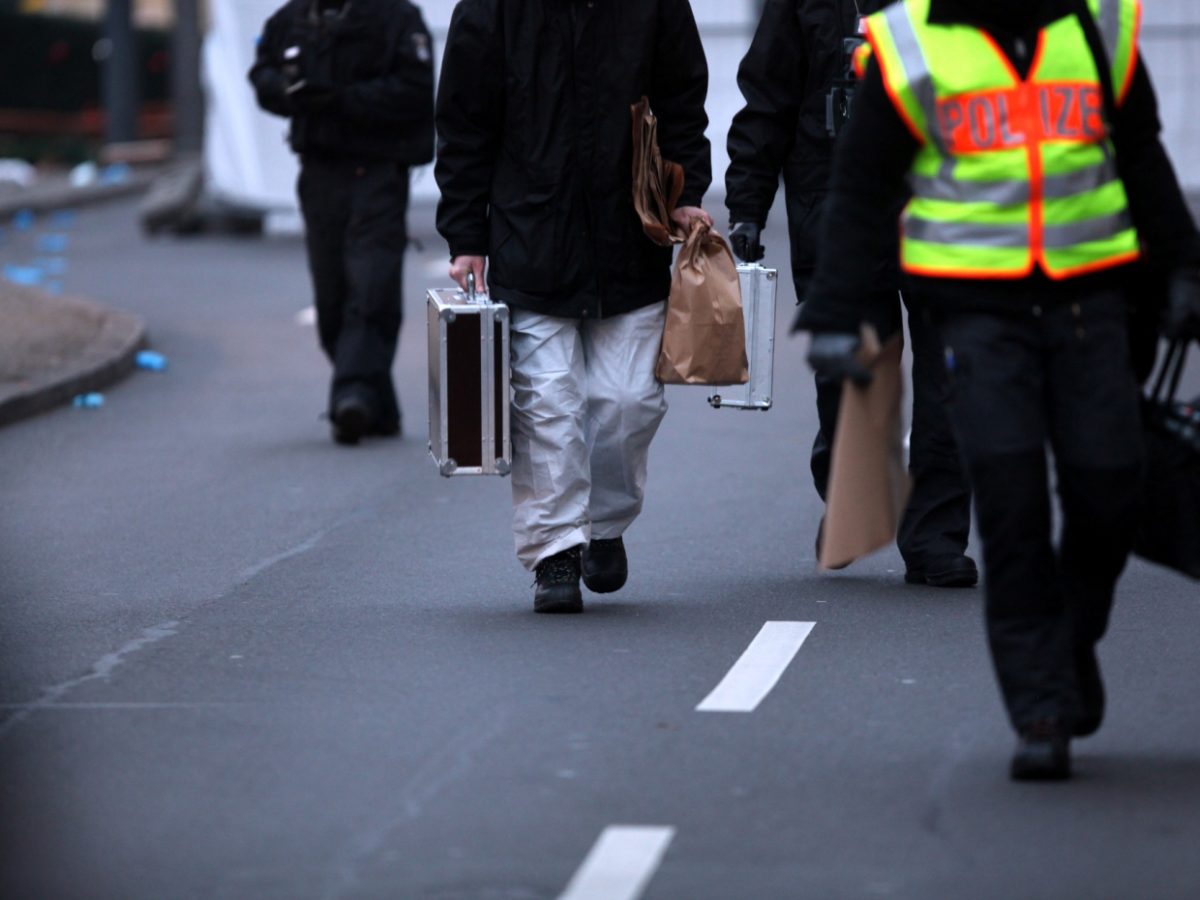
[313,96]
[745,240]
[835,354]
[1183,306]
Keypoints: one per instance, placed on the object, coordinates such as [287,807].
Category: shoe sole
[943,579]
[558,607]
[598,585]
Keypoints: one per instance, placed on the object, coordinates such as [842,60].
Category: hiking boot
[349,421]
[945,571]
[605,565]
[558,584]
[1043,752]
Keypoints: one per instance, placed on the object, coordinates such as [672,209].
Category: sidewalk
[52,347]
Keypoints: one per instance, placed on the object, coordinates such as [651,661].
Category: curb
[61,197]
[105,360]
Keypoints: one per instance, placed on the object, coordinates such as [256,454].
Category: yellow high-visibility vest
[1013,173]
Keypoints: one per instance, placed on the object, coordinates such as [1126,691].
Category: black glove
[744,238]
[1183,306]
[835,355]
[313,96]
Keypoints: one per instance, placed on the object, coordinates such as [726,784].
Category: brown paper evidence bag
[704,340]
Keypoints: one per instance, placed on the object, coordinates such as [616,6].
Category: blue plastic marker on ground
[28,276]
[117,173]
[63,218]
[52,265]
[88,401]
[151,361]
[24,219]
[52,243]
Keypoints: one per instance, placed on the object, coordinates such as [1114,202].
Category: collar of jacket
[1005,16]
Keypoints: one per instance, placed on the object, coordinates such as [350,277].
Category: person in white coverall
[535,171]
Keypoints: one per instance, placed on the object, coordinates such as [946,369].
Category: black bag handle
[1091,31]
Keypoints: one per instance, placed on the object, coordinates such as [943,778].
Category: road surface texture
[239,661]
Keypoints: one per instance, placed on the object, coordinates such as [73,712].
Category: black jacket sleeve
[469,116]
[678,92]
[270,86]
[875,152]
[1163,221]
[405,95]
[771,79]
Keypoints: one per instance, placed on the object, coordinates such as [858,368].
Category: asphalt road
[240,662]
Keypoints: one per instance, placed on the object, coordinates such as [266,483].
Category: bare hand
[683,216]
[460,266]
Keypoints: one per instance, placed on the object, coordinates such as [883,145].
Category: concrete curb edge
[106,360]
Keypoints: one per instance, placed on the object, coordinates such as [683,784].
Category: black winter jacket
[535,145]
[379,56]
[785,77]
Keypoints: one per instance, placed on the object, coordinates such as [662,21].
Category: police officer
[535,169]
[1036,200]
[798,58]
[355,77]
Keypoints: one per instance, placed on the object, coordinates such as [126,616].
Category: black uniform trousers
[1057,377]
[354,216]
[937,520]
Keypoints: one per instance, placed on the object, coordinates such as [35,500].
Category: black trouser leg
[324,201]
[375,241]
[1096,436]
[1021,382]
[356,237]
[937,519]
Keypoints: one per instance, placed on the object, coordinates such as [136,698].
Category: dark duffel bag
[1169,522]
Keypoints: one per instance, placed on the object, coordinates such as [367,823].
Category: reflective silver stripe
[916,68]
[999,193]
[1072,184]
[1063,237]
[966,234]
[1109,20]
[1013,193]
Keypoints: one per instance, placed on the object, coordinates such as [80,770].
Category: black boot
[558,584]
[1043,752]
[605,566]
[349,420]
[944,571]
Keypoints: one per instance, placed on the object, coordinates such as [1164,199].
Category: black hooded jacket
[785,77]
[377,55]
[535,145]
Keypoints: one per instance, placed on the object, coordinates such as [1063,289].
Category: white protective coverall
[586,406]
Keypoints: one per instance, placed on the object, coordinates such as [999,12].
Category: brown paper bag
[868,480]
[704,340]
[657,183]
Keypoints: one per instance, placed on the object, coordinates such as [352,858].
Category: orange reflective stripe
[1098,266]
[1123,92]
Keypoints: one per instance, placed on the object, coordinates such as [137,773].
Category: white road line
[621,863]
[759,669]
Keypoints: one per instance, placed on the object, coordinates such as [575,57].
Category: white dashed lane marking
[759,668]
[621,863]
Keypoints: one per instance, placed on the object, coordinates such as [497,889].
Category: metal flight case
[468,383]
[758,305]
